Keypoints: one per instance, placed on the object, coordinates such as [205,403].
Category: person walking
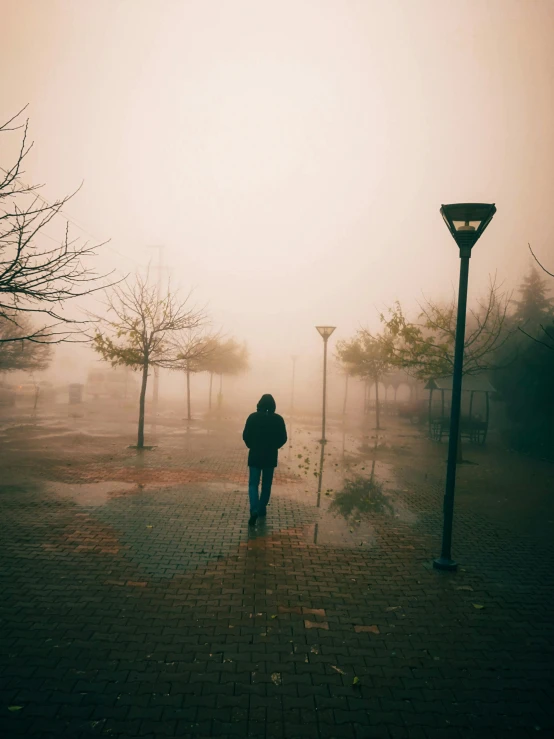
[264,434]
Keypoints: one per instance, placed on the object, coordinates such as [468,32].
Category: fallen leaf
[274,615]
[465,587]
[149,526]
[276,678]
[477,605]
[356,681]
[15,708]
[393,608]
[337,669]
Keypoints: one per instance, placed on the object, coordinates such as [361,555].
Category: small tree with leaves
[228,358]
[367,357]
[191,352]
[137,329]
[424,348]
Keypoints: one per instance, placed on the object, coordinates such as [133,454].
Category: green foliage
[364,356]
[535,306]
[526,369]
[119,354]
[425,348]
[226,358]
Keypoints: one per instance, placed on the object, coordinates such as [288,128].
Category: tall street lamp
[466,222]
[325,332]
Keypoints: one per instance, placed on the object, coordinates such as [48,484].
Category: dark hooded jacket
[264,434]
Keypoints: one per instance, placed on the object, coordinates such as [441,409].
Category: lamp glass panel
[325,331]
[466,225]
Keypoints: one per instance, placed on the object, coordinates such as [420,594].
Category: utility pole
[294,357]
[158,268]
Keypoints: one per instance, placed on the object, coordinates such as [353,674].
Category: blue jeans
[258,505]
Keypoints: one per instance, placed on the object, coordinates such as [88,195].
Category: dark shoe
[252,519]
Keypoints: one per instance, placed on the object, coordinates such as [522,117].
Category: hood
[266,404]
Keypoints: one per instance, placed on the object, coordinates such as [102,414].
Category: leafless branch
[540,265]
[35,279]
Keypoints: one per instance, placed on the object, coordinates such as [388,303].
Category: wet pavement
[136,601]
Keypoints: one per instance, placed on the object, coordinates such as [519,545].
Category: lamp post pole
[445,561]
[325,340]
[466,223]
[325,332]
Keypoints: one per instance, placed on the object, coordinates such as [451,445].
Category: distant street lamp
[294,357]
[466,222]
[325,332]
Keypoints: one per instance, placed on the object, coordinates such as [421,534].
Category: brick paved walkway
[135,603]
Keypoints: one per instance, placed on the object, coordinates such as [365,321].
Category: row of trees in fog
[140,329]
[145,330]
[509,339]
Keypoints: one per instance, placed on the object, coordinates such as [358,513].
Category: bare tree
[36,278]
[548,331]
[17,352]
[425,348]
[191,351]
[136,333]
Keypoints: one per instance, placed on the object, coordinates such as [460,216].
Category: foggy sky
[292,156]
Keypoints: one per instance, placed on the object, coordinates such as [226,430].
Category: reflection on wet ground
[355,491]
[361,495]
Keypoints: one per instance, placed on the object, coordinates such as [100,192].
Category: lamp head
[466,222]
[325,331]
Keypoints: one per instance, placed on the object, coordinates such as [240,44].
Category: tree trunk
[377,417]
[210,395]
[142,402]
[188,395]
[220,394]
[345,396]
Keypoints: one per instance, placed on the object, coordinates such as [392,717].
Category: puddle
[180,432]
[361,496]
[335,531]
[90,494]
[75,434]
